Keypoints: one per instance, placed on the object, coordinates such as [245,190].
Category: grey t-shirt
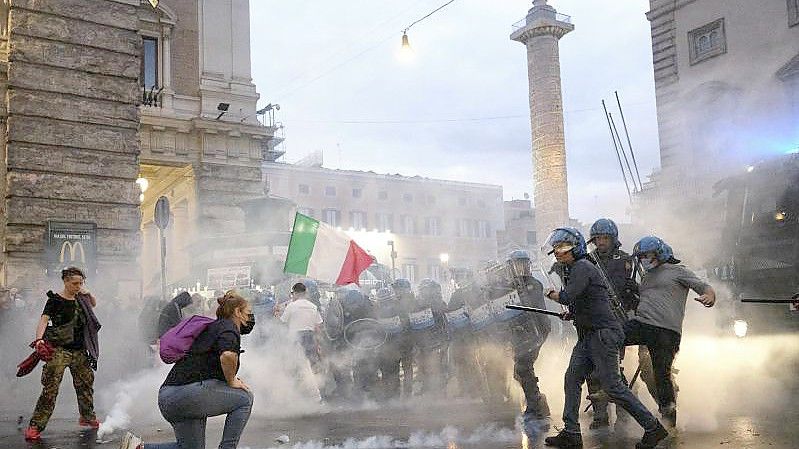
[664,291]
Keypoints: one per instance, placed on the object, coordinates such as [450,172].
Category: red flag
[356,261]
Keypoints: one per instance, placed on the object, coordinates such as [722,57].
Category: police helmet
[352,299]
[385,294]
[429,288]
[605,226]
[519,263]
[402,284]
[655,245]
[519,254]
[312,290]
[570,236]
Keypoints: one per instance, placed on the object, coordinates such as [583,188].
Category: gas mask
[247,327]
[648,264]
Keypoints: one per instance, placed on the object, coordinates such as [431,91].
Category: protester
[69,325]
[172,313]
[204,383]
[303,319]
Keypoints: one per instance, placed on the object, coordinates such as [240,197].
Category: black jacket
[587,297]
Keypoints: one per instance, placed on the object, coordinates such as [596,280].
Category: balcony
[152,96]
[541,14]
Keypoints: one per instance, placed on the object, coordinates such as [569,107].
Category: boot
[538,407]
[669,415]
[32,434]
[652,437]
[599,422]
[565,440]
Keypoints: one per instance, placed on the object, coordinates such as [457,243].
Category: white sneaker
[131,441]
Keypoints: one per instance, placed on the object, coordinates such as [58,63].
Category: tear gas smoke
[447,437]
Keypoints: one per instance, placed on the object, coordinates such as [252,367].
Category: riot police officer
[404,293]
[389,315]
[618,267]
[462,340]
[428,329]
[528,331]
[312,292]
[357,307]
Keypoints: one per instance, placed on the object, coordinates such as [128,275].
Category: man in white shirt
[303,319]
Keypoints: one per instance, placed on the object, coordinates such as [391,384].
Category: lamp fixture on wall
[222,108]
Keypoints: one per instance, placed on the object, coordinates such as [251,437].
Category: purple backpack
[177,341]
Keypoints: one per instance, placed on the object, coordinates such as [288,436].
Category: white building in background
[431,224]
[520,231]
[727,89]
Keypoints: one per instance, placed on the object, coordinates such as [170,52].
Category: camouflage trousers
[82,379]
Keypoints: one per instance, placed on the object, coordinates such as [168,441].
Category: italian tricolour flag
[319,251]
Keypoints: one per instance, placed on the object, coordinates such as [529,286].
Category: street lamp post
[444,258]
[393,258]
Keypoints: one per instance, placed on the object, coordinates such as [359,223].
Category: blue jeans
[598,351]
[187,407]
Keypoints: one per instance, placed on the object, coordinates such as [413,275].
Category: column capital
[541,20]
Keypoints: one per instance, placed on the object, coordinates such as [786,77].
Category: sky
[459,109]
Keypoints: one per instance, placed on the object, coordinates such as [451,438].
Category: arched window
[702,45]
[707,41]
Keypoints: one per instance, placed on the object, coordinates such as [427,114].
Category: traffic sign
[162,213]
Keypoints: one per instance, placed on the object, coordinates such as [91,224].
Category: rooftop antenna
[618,156]
[623,153]
[629,143]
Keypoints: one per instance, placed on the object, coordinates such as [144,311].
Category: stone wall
[72,135]
[185,48]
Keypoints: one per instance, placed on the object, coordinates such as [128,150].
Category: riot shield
[365,334]
[333,325]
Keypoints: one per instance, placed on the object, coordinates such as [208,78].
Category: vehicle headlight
[740,327]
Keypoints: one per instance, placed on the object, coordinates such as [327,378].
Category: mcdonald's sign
[71,244]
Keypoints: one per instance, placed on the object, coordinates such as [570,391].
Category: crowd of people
[396,343]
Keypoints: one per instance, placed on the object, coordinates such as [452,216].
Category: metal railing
[543,14]
[152,96]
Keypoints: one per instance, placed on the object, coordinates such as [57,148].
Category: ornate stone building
[727,90]
[101,93]
[430,225]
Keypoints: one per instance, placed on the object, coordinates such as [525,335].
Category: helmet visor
[558,240]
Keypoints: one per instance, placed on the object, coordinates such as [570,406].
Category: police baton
[534,309]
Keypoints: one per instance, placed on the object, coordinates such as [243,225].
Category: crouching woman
[204,383]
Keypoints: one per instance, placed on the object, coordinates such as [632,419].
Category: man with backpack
[172,313]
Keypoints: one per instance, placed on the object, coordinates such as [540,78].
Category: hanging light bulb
[406,52]
[405,44]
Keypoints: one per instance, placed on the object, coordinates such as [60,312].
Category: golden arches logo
[73,250]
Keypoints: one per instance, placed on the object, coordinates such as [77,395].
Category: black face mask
[247,327]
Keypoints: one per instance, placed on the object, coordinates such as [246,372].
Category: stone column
[540,31]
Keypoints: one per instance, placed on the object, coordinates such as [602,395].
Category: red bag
[43,351]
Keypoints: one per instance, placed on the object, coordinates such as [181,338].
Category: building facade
[727,91]
[108,105]
[520,230]
[431,225]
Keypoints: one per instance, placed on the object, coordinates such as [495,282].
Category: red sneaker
[93,423]
[32,434]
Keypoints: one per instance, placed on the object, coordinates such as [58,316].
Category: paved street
[464,424]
